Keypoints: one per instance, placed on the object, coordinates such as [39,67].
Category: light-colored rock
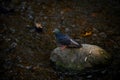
[79,58]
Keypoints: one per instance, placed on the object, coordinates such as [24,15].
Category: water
[25,53]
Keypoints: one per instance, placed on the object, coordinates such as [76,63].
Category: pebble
[7,39]
[73,26]
[67,30]
[20,65]
[103,35]
[25,67]
[62,12]
[30,16]
[95,30]
[32,30]
[13,45]
[28,67]
[28,26]
[103,72]
[23,6]
[45,17]
[12,30]
[89,76]
[19,59]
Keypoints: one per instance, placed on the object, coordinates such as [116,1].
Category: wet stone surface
[87,56]
[25,53]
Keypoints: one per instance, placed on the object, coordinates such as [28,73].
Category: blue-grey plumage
[64,39]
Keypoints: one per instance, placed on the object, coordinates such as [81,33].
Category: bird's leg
[63,47]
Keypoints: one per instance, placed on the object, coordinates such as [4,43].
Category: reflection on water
[25,53]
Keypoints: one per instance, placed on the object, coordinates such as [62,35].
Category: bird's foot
[63,47]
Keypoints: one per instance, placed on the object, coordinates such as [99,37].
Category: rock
[103,35]
[89,76]
[13,45]
[12,30]
[87,56]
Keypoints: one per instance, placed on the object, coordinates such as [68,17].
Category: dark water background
[24,53]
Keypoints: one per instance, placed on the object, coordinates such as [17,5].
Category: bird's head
[56,30]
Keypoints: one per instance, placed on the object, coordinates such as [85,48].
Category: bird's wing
[64,40]
[74,42]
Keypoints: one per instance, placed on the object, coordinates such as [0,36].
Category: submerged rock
[79,58]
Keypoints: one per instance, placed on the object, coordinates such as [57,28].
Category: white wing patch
[74,42]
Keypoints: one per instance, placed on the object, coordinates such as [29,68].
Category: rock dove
[38,27]
[64,40]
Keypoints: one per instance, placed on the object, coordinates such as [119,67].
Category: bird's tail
[74,44]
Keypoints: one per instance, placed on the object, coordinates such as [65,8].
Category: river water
[25,52]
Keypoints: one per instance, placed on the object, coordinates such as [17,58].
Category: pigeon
[38,27]
[64,40]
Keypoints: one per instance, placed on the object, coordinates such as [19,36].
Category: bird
[38,27]
[64,40]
